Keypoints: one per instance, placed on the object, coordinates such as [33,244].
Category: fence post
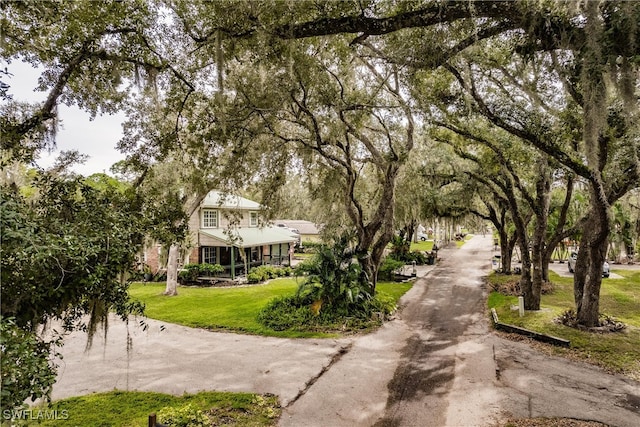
[152,420]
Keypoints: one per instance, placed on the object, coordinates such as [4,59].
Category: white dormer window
[253,219]
[209,218]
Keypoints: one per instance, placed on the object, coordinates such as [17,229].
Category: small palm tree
[335,279]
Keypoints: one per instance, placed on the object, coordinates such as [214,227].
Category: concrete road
[437,364]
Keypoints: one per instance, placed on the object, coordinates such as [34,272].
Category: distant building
[308,231]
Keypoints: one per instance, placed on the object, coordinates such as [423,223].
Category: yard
[619,298]
[233,309]
[132,408]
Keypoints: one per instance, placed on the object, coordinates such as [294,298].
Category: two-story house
[226,230]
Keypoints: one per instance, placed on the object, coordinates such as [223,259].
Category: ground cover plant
[132,408]
[232,308]
[620,298]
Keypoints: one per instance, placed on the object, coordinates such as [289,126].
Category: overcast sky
[96,138]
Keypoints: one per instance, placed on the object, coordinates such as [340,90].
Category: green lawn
[422,246]
[234,308]
[619,298]
[132,409]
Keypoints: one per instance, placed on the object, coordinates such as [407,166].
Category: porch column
[233,264]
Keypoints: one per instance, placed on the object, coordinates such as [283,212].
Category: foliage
[335,279]
[25,368]
[388,268]
[296,314]
[132,408]
[286,312]
[74,242]
[401,251]
[311,247]
[65,255]
[400,247]
[183,416]
[191,272]
[267,272]
[333,296]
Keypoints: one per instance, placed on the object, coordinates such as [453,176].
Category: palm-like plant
[335,278]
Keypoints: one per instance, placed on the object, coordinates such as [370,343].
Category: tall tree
[65,256]
[351,126]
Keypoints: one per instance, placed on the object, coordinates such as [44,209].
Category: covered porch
[242,249]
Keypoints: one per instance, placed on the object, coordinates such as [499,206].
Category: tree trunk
[587,278]
[541,209]
[191,204]
[506,250]
[560,232]
[172,271]
[531,298]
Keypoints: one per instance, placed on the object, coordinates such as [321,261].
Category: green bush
[267,272]
[211,269]
[254,277]
[297,314]
[388,267]
[25,370]
[419,257]
[335,293]
[191,272]
[184,416]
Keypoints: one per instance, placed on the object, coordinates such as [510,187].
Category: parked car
[422,237]
[572,265]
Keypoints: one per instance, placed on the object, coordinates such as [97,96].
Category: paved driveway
[437,364]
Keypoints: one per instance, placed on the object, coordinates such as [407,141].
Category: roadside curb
[561,342]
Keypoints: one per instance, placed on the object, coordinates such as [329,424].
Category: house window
[253,219]
[255,254]
[209,255]
[209,218]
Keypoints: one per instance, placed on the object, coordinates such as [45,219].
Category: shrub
[388,267]
[296,314]
[254,277]
[267,272]
[191,272]
[211,269]
[400,248]
[335,293]
[25,370]
[419,257]
[184,416]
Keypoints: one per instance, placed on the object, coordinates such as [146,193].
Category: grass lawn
[233,308]
[619,298]
[131,409]
[426,245]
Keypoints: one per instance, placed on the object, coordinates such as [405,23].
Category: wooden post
[152,420]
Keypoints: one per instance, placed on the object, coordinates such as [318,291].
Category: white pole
[521,306]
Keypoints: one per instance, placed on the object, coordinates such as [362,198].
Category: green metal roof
[250,237]
[216,199]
